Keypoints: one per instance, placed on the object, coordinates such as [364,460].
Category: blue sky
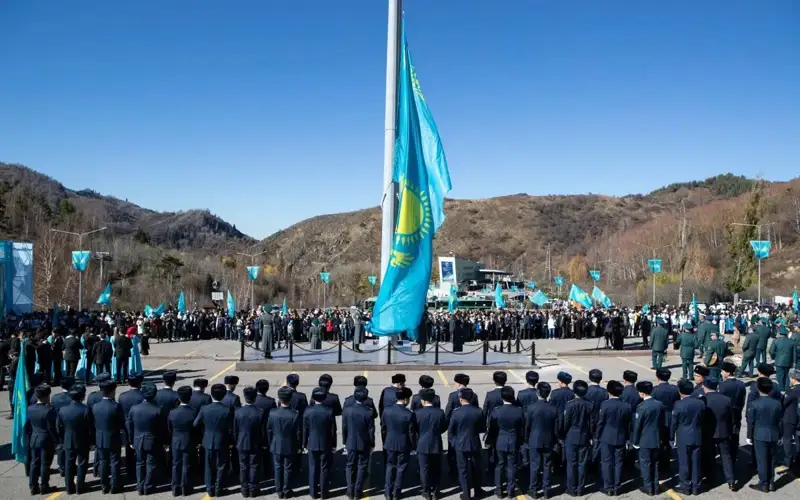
[268,112]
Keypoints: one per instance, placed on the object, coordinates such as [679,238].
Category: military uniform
[612,434]
[714,363]
[686,432]
[319,438]
[109,421]
[763,432]
[541,434]
[147,427]
[749,351]
[687,343]
[784,353]
[249,426]
[42,432]
[647,424]
[466,425]
[763,334]
[431,423]
[283,434]
[658,345]
[576,430]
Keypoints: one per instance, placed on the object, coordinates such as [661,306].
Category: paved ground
[196,359]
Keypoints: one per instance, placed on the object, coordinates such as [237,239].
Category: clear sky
[271,111]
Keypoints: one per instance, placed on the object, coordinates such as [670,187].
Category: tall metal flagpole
[389,200]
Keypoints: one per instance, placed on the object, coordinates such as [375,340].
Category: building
[16,277]
[471,278]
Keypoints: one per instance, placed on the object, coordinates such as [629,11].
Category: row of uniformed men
[586,422]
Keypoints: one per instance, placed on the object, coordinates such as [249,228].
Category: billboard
[447,269]
[16,276]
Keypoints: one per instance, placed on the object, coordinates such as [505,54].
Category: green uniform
[784,352]
[721,349]
[658,345]
[749,349]
[763,334]
[796,340]
[687,342]
[704,335]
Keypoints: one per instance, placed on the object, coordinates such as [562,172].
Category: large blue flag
[19,438]
[498,297]
[539,298]
[453,301]
[420,169]
[794,302]
[579,296]
[696,310]
[105,297]
[231,305]
[601,297]
[285,308]
[252,272]
[181,303]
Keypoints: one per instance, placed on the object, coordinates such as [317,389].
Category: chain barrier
[410,353]
[462,353]
[363,351]
[316,351]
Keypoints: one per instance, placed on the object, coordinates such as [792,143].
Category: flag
[252,272]
[654,265]
[285,308]
[579,297]
[794,302]
[645,308]
[159,311]
[531,285]
[181,303]
[539,298]
[19,438]
[761,248]
[420,169]
[559,280]
[595,275]
[325,277]
[148,311]
[498,297]
[373,280]
[80,259]
[105,297]
[600,297]
[514,288]
[696,310]
[453,301]
[231,305]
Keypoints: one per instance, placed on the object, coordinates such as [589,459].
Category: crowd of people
[575,429]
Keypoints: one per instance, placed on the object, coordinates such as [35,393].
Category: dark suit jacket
[72,349]
[648,424]
[122,347]
[541,425]
[331,401]
[466,425]
[400,428]
[75,427]
[216,420]
[667,394]
[319,428]
[687,421]
[102,352]
[506,428]
[266,403]
[416,402]
[431,423]
[614,422]
[299,402]
[199,400]
[764,420]
[180,425]
[719,419]
[527,397]
[283,431]
[369,403]
[147,426]
[249,428]
[358,427]
[578,422]
[109,422]
[41,427]
[232,400]
[166,399]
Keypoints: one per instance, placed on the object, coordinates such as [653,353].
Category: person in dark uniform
[541,429]
[122,353]
[97,396]
[763,335]
[687,342]
[266,403]
[525,398]
[72,353]
[704,330]
[764,370]
[299,401]
[467,423]
[180,425]
[231,399]
[216,420]
[493,400]
[41,429]
[667,394]
[720,427]
[283,433]
[763,433]
[736,390]
[128,400]
[399,425]
[425,382]
[358,436]
[559,398]
[647,424]
[109,421]
[319,438]
[103,353]
[331,400]
[749,350]
[361,381]
[44,356]
[784,353]
[166,397]
[658,344]
[612,434]
[686,433]
[431,423]
[249,426]
[199,397]
[700,374]
[147,426]
[59,401]
[89,341]
[461,381]
[629,393]
[76,432]
[596,395]
[389,394]
[506,433]
[576,429]
[57,355]
[791,419]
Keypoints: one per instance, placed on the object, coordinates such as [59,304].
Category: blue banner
[231,305]
[531,285]
[601,298]
[498,297]
[595,275]
[453,300]
[325,277]
[420,170]
[373,280]
[514,288]
[252,272]
[19,438]
[794,302]
[654,265]
[645,308]
[181,303]
[539,298]
[285,308]
[559,280]
[696,310]
[80,259]
[579,297]
[105,297]
[761,248]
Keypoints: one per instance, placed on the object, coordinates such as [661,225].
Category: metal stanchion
[509,345]
[501,345]
[389,352]
[340,350]
[436,353]
[291,350]
[486,351]
[519,342]
[241,346]
[533,353]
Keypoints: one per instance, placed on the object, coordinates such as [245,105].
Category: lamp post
[80,248]
[758,226]
[252,290]
[655,266]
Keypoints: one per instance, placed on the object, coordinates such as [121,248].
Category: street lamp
[252,290]
[655,266]
[758,258]
[80,247]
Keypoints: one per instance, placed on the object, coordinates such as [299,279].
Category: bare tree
[682,260]
[49,250]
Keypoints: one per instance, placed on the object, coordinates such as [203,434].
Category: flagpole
[389,200]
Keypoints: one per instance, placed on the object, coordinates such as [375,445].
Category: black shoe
[732,485]
[211,494]
[645,491]
[35,490]
[387,497]
[280,495]
[757,487]
[772,487]
[681,491]
[498,494]
[106,491]
[246,494]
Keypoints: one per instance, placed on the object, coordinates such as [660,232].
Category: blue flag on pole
[498,297]
[373,280]
[579,297]
[645,308]
[80,259]
[181,303]
[420,170]
[595,275]
[252,272]
[761,248]
[601,298]
[285,308]
[19,438]
[453,300]
[531,285]
[794,302]
[325,277]
[559,280]
[231,305]
[696,310]
[539,298]
[654,265]
[105,297]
